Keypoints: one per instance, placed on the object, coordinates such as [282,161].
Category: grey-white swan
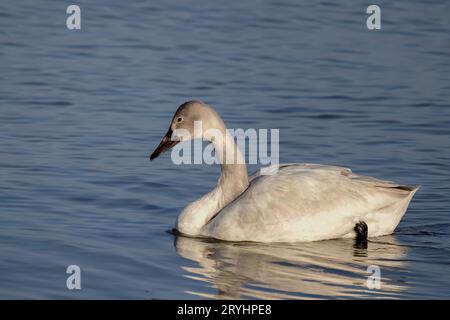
[297,203]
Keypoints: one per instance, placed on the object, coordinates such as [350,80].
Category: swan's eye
[179,119]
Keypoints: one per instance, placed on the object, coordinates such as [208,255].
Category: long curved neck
[233,178]
[232,182]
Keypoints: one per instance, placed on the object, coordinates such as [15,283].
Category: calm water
[80,112]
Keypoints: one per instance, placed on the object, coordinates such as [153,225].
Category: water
[81,111]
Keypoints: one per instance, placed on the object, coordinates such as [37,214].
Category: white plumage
[298,202]
[309,202]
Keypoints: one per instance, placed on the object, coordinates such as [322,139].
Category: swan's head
[191,120]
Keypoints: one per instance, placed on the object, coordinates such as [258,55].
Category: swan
[298,202]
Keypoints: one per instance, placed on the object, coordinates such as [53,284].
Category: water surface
[80,112]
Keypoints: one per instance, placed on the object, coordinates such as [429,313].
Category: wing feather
[304,196]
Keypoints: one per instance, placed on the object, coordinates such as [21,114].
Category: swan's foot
[361,230]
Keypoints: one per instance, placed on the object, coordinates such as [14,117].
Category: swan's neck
[232,182]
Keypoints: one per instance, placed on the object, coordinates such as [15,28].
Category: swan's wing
[312,200]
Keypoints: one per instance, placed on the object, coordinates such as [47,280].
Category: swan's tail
[385,220]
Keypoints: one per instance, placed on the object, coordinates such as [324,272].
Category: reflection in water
[325,269]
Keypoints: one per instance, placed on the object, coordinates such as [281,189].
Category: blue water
[80,112]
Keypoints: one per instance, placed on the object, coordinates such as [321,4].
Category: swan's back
[308,202]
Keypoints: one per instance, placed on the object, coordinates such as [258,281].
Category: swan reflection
[324,269]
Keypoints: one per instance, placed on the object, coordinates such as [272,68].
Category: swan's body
[298,202]
[308,202]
